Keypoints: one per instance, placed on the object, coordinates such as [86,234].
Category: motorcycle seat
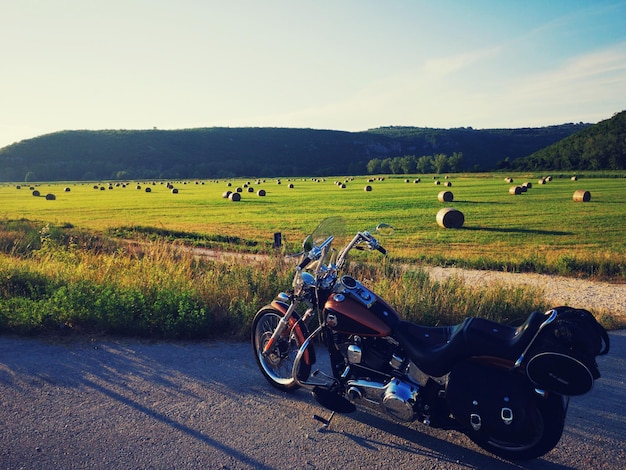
[435,350]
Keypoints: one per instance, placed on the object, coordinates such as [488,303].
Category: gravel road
[117,403]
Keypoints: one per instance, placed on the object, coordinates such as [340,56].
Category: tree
[424,164]
[440,162]
[373,166]
[455,162]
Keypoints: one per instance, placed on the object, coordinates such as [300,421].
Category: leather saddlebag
[562,357]
[492,401]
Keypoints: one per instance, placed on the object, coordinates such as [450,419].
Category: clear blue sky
[324,64]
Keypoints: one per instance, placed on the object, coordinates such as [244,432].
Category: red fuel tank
[350,313]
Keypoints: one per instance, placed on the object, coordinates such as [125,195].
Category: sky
[347,65]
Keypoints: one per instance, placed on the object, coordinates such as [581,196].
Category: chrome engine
[396,398]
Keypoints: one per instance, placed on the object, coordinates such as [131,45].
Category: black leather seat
[435,350]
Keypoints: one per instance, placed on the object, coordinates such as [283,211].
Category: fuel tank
[354,309]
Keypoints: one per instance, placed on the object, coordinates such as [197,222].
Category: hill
[599,147]
[227,152]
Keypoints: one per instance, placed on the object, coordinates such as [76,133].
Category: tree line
[410,164]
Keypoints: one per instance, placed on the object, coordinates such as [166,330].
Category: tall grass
[166,292]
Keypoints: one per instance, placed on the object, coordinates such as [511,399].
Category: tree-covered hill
[600,147]
[226,152]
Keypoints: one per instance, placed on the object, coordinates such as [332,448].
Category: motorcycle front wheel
[549,421]
[277,364]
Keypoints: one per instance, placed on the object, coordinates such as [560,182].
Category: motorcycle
[507,388]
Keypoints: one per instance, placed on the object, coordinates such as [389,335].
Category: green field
[65,264]
[541,230]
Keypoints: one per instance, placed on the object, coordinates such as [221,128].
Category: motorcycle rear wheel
[277,365]
[550,420]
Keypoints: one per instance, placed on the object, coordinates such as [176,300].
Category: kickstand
[325,422]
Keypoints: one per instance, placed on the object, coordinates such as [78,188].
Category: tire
[549,419]
[277,365]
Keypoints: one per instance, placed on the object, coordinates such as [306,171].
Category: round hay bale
[148,190]
[574,178]
[261,192]
[508,180]
[445,196]
[527,185]
[102,188]
[36,193]
[229,184]
[50,197]
[138,186]
[450,218]
[18,187]
[250,189]
[447,184]
[515,190]
[416,180]
[437,183]
[342,185]
[367,188]
[523,188]
[541,181]
[174,191]
[406,180]
[226,194]
[548,178]
[582,196]
[235,197]
[95,186]
[290,186]
[67,190]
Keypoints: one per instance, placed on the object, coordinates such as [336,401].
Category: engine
[381,383]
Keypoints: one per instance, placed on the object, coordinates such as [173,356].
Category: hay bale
[527,185]
[367,188]
[515,190]
[261,192]
[445,196]
[36,193]
[582,196]
[138,186]
[67,190]
[541,181]
[574,178]
[342,185]
[148,190]
[174,191]
[450,218]
[102,188]
[18,187]
[226,194]
[508,180]
[416,180]
[235,197]
[447,184]
[437,183]
[290,186]
[50,197]
[250,189]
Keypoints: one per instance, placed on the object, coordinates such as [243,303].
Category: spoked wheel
[277,364]
[548,425]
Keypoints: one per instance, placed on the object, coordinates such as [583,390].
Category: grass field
[541,230]
[63,269]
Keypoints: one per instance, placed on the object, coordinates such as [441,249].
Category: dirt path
[595,296]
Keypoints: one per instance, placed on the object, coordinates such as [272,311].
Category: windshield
[335,226]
